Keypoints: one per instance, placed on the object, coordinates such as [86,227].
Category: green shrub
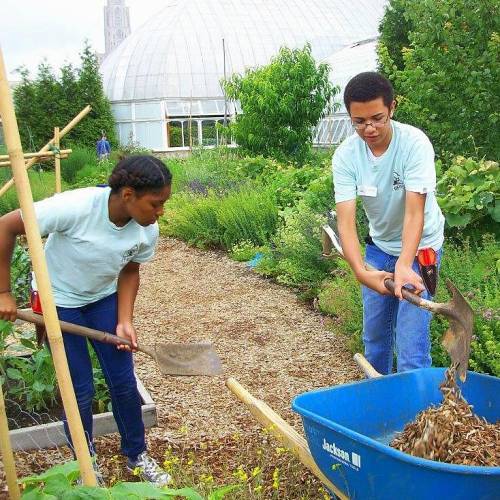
[469,194]
[295,255]
[76,161]
[60,481]
[193,219]
[340,297]
[222,221]
[449,80]
[247,215]
[474,271]
[281,102]
[245,251]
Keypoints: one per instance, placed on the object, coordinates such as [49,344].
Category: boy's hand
[8,308]
[375,280]
[127,331]
[405,275]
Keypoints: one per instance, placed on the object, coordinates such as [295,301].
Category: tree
[394,29]
[46,101]
[90,91]
[448,85]
[281,104]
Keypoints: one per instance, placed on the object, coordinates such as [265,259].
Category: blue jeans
[118,370]
[390,324]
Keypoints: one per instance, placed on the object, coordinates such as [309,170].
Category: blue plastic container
[348,428]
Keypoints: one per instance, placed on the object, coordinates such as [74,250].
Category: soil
[275,345]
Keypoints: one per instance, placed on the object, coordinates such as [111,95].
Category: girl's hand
[8,308]
[127,331]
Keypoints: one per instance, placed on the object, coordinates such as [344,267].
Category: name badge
[367,191]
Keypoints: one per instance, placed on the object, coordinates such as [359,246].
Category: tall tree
[448,85]
[281,104]
[47,101]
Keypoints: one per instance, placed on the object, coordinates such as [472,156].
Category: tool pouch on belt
[427,263]
[36,306]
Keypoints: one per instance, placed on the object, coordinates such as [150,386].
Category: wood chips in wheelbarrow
[451,432]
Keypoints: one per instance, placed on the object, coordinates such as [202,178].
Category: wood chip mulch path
[273,344]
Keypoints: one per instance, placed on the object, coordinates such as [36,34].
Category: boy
[390,165]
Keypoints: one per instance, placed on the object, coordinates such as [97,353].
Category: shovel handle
[411,297]
[82,331]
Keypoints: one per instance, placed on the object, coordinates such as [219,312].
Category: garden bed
[51,433]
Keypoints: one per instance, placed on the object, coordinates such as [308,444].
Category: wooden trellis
[19,169]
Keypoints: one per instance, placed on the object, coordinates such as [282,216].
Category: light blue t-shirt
[382,182]
[85,251]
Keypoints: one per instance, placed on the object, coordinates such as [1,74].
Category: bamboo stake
[7,454]
[28,156]
[13,142]
[57,161]
[84,112]
[282,430]
[40,160]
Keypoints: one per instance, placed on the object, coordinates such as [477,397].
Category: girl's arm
[128,284]
[11,225]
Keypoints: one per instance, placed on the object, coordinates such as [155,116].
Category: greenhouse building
[163,80]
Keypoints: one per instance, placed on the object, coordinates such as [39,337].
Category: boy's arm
[11,225]
[346,213]
[128,285]
[413,225]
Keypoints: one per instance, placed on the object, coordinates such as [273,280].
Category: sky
[31,30]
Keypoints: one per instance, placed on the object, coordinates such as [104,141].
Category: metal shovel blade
[187,359]
[456,340]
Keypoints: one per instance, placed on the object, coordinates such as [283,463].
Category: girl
[97,239]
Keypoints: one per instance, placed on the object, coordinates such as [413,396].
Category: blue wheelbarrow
[349,427]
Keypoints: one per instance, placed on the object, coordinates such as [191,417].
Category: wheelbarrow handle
[366,366]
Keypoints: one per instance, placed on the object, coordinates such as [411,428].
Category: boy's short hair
[366,87]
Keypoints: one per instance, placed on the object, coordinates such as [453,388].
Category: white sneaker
[148,470]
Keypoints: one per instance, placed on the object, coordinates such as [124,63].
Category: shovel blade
[188,359]
[456,340]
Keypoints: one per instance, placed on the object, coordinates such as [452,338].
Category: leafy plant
[449,79]
[294,257]
[246,214]
[20,276]
[281,103]
[469,194]
[60,482]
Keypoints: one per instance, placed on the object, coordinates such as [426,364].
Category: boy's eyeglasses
[376,122]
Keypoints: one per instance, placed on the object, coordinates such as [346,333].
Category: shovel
[172,359]
[456,340]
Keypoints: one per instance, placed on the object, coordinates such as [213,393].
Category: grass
[42,186]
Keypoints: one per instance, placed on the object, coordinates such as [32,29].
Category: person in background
[97,239]
[390,166]
[103,148]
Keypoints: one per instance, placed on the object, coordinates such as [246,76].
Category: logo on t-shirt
[128,255]
[397,183]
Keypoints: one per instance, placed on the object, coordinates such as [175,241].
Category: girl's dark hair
[143,173]
[366,87]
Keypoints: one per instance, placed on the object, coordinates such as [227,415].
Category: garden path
[270,341]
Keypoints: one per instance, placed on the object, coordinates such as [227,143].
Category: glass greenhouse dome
[164,79]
